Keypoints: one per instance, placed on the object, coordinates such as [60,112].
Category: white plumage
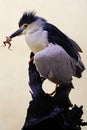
[36,40]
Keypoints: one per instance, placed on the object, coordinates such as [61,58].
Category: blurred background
[70,16]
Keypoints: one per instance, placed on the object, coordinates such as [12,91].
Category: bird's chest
[37,40]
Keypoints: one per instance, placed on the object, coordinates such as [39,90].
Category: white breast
[37,40]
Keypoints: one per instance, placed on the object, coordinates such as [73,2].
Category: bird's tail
[78,67]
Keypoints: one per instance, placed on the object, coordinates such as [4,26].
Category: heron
[56,56]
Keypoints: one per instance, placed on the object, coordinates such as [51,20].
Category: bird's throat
[37,41]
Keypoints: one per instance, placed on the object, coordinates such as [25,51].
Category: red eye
[25,26]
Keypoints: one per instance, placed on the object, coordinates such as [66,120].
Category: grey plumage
[56,65]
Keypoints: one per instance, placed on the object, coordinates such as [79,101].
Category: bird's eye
[25,26]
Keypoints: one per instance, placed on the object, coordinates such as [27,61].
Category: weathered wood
[51,112]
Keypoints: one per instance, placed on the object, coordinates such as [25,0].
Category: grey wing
[54,64]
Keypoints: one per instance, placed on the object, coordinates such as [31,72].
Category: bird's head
[28,20]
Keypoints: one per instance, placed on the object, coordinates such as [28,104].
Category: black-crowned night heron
[56,56]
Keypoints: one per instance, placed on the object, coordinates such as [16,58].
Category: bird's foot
[8,40]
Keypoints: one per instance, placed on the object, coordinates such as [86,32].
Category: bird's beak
[17,33]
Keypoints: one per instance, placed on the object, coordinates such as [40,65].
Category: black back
[55,36]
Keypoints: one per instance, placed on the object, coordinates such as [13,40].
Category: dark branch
[51,112]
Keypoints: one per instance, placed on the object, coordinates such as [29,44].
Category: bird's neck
[35,26]
[36,38]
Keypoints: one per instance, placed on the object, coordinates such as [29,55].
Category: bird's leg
[31,59]
[50,94]
[8,39]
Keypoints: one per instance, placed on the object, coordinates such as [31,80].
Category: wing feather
[56,36]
